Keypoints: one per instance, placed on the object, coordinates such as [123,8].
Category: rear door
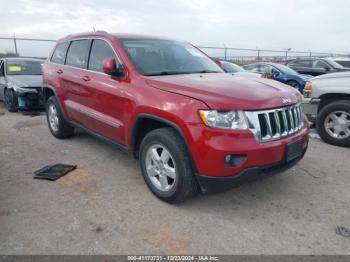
[73,77]
[103,101]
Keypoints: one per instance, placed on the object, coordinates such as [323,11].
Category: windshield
[163,57]
[285,69]
[23,68]
[231,68]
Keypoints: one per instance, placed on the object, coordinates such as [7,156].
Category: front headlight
[233,119]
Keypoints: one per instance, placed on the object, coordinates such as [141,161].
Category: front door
[104,99]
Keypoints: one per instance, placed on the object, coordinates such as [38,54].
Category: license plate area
[294,150]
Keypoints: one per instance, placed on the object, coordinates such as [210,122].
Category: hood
[25,80]
[333,75]
[226,91]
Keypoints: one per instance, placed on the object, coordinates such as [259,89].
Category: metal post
[15,43]
[225,51]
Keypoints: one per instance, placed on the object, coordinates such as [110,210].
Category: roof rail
[101,31]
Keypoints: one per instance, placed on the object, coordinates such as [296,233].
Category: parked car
[315,66]
[20,83]
[343,61]
[279,73]
[327,104]
[236,69]
[191,125]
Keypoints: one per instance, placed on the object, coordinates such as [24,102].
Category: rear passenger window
[100,50]
[60,53]
[77,53]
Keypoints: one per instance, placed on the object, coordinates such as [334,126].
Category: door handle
[86,78]
[59,71]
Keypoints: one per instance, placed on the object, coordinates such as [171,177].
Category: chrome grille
[275,123]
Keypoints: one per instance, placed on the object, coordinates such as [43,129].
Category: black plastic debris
[53,172]
[342,231]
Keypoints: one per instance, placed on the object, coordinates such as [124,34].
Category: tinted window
[60,53]
[77,53]
[100,50]
[344,63]
[301,63]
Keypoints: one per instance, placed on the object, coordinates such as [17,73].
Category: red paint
[176,98]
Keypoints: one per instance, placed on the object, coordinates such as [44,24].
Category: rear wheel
[10,99]
[166,166]
[333,123]
[58,126]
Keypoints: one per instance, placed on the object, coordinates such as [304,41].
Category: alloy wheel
[160,167]
[337,124]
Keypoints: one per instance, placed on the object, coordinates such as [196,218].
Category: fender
[142,116]
[59,101]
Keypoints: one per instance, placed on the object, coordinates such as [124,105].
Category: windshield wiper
[168,73]
[205,72]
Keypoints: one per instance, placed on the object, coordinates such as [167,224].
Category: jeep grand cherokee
[192,126]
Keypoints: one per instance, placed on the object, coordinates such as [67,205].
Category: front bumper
[210,146]
[310,107]
[220,184]
[30,99]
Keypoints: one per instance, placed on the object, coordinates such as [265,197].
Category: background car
[279,73]
[20,83]
[326,103]
[236,69]
[343,61]
[315,66]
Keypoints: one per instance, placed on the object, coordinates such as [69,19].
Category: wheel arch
[147,122]
[332,97]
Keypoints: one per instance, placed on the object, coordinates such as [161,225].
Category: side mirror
[275,74]
[112,68]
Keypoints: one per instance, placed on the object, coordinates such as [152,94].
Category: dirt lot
[104,207]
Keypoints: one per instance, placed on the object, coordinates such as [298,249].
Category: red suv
[193,126]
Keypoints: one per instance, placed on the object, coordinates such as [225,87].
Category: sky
[318,25]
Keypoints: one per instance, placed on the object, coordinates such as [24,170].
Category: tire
[10,99]
[58,126]
[294,84]
[182,183]
[333,118]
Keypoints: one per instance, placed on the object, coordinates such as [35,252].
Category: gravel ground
[104,207]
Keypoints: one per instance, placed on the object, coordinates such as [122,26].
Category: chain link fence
[40,48]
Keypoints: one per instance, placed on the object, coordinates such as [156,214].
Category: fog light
[234,160]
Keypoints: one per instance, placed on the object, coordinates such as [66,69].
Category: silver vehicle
[327,104]
[20,83]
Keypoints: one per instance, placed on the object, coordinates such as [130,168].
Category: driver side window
[265,69]
[320,64]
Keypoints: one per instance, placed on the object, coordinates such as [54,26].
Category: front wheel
[166,166]
[58,126]
[10,100]
[333,123]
